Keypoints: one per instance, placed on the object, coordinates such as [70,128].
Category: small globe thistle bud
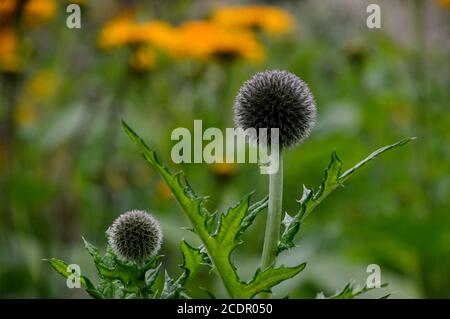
[276,99]
[135,236]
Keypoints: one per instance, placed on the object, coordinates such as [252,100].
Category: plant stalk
[273,223]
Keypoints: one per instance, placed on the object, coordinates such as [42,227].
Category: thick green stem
[273,223]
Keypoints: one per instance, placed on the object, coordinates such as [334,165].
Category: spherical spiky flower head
[276,99]
[135,236]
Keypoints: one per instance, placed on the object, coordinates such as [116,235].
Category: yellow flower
[35,12]
[123,30]
[143,58]
[444,3]
[224,169]
[25,113]
[7,7]
[9,60]
[204,40]
[43,85]
[269,19]
[39,11]
[158,33]
[193,39]
[164,191]
[79,2]
[117,32]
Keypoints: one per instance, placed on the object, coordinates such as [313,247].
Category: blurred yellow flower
[164,191]
[269,19]
[193,39]
[43,85]
[7,7]
[158,33]
[444,3]
[204,40]
[143,58]
[224,169]
[25,113]
[117,32]
[35,12]
[39,11]
[123,30]
[9,60]
[79,2]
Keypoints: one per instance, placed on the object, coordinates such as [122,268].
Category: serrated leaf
[263,281]
[128,275]
[107,288]
[151,276]
[350,292]
[112,270]
[230,223]
[331,181]
[92,250]
[193,258]
[218,244]
[172,288]
[192,204]
[61,267]
[209,293]
[92,290]
[374,154]
[253,211]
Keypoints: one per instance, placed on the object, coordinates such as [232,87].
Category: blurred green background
[67,170]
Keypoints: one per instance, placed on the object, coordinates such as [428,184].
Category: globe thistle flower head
[135,236]
[276,99]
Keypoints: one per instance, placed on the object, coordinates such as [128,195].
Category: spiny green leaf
[93,251]
[349,172]
[226,237]
[110,268]
[193,258]
[172,288]
[263,281]
[209,293]
[230,223]
[127,274]
[92,290]
[61,267]
[150,277]
[331,181]
[253,211]
[193,205]
[350,292]
[107,288]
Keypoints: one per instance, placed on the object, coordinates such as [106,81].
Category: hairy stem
[273,223]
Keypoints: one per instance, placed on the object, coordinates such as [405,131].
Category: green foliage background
[72,171]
